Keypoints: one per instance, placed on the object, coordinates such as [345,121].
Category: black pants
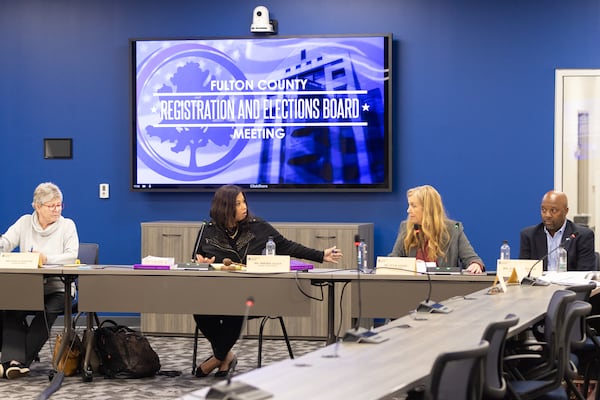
[222,331]
[22,341]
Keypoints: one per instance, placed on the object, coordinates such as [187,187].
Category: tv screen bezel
[385,186]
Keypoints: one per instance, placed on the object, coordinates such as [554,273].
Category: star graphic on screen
[366,107]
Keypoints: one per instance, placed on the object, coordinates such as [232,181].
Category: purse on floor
[70,362]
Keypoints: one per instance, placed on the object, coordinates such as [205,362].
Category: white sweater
[58,242]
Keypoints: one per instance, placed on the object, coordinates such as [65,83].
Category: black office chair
[533,359]
[88,253]
[550,387]
[587,354]
[260,340]
[458,375]
[495,334]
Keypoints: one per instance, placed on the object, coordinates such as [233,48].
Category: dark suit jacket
[580,250]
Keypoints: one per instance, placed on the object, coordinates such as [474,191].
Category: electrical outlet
[104,191]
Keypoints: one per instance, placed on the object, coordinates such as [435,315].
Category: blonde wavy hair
[433,225]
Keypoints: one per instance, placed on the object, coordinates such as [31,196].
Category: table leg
[331,338]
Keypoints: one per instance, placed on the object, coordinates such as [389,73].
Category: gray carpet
[175,354]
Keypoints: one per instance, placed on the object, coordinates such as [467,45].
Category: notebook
[190,266]
[297,265]
[437,270]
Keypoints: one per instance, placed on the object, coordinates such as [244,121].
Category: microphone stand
[193,262]
[428,306]
[359,334]
[528,280]
[238,390]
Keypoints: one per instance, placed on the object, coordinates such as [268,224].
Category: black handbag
[124,352]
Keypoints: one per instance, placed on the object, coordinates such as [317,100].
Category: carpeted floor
[175,355]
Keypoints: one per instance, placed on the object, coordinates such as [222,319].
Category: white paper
[153,260]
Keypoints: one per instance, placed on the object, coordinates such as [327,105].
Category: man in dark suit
[554,230]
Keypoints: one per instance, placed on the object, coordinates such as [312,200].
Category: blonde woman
[429,235]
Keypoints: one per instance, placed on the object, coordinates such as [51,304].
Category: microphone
[197,244]
[528,280]
[354,334]
[420,247]
[238,390]
[428,306]
[193,263]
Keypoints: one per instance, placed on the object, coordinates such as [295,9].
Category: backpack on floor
[124,352]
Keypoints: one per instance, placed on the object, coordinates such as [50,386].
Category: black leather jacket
[251,239]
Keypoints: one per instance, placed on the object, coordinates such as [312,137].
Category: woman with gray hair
[54,237]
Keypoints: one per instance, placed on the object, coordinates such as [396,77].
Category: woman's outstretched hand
[332,254]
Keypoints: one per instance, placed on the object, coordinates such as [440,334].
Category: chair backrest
[555,317]
[459,374]
[574,333]
[494,386]
[582,292]
[88,253]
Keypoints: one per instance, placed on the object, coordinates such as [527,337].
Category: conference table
[120,288]
[366,371]
[350,370]
[112,288]
[23,288]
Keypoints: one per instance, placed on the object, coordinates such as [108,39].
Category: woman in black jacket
[233,233]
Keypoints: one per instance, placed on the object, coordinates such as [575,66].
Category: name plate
[269,264]
[19,260]
[505,268]
[396,266]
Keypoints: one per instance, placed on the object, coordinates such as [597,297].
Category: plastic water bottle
[270,247]
[362,260]
[505,250]
[562,259]
[553,268]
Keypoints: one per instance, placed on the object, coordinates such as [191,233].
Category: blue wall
[473,107]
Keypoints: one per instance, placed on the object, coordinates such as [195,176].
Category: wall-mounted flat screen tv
[269,113]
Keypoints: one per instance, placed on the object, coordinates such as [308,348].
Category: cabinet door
[169,240]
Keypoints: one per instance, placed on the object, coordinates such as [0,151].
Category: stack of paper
[153,262]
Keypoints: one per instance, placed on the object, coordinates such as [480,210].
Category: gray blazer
[459,253]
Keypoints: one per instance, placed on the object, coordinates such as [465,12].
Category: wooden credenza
[177,238]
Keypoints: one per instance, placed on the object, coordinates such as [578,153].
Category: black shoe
[201,374]
[225,373]
[13,370]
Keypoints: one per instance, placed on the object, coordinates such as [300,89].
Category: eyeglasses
[54,206]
